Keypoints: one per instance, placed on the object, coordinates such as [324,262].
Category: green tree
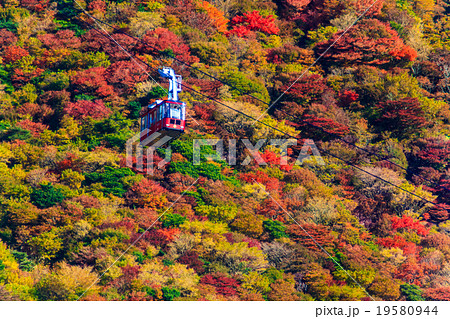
[111,179]
[275,228]
[412,292]
[173,220]
[46,196]
[134,108]
[170,293]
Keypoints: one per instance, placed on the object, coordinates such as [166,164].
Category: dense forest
[368,81]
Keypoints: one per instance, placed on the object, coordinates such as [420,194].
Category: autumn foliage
[83,109]
[81,216]
[369,42]
[253,21]
[220,22]
[403,117]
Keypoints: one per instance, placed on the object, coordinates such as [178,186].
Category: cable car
[164,117]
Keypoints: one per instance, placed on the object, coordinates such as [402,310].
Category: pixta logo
[158,141]
[309,151]
[145,157]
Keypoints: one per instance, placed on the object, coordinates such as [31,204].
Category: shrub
[15,133]
[83,109]
[210,170]
[402,117]
[146,193]
[223,285]
[244,85]
[248,224]
[217,213]
[170,293]
[66,283]
[253,21]
[71,178]
[212,53]
[412,292]
[111,179]
[275,228]
[172,220]
[46,196]
[46,245]
[134,108]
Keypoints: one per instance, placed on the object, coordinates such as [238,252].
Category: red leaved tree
[35,5]
[347,98]
[312,236]
[433,152]
[320,127]
[370,41]
[307,89]
[73,162]
[311,13]
[123,75]
[21,76]
[191,260]
[398,242]
[224,285]
[268,208]
[370,8]
[91,82]
[93,41]
[162,40]
[253,21]
[87,109]
[402,117]
[35,128]
[6,38]
[60,40]
[146,217]
[146,193]
[441,293]
[37,111]
[158,237]
[14,53]
[411,272]
[97,6]
[409,223]
[271,183]
[204,114]
[439,213]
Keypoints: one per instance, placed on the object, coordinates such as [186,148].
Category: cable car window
[175,111]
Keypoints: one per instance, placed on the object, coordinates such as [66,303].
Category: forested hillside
[369,222]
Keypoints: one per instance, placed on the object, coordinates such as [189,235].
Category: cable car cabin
[165,117]
[168,117]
